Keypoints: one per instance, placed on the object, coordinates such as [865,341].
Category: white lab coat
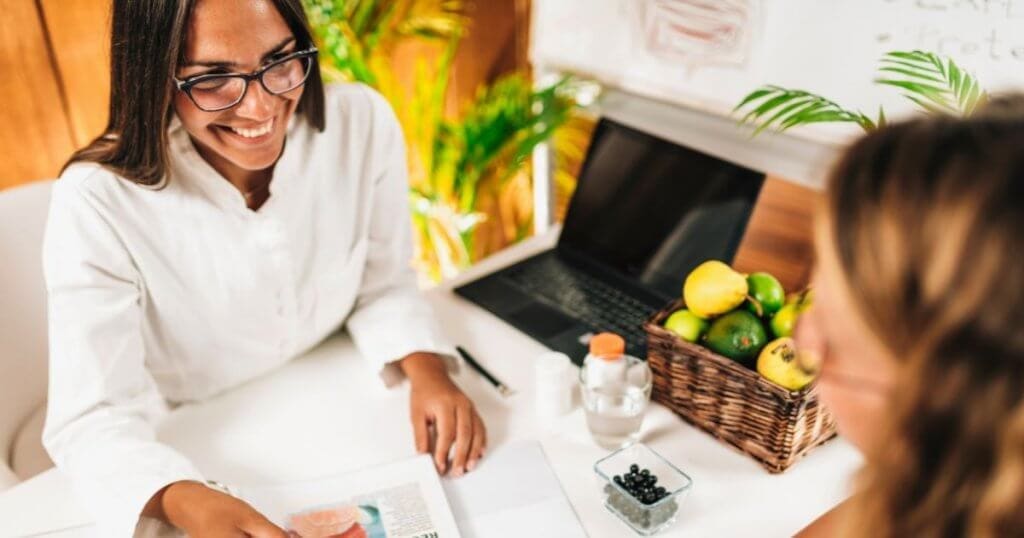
[165,295]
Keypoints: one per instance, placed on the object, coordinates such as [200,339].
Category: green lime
[784,320]
[738,335]
[686,324]
[766,290]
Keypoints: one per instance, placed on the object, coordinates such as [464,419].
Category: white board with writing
[710,53]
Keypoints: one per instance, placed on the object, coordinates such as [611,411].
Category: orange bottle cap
[608,346]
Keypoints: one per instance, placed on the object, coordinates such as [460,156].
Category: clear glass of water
[615,407]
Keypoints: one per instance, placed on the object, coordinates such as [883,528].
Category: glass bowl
[653,516]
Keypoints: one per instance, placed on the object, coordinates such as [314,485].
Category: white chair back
[23,346]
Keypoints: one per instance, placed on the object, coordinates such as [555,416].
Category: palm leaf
[782,108]
[933,83]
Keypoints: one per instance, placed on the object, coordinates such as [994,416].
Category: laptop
[645,212]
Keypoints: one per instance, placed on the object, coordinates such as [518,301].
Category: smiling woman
[166,36]
[234,214]
[242,138]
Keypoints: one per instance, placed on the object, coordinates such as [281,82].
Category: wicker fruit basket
[732,402]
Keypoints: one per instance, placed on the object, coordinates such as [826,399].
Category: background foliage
[470,178]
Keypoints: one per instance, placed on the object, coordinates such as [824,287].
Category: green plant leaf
[937,96]
[912,74]
[801,106]
[932,83]
[754,95]
[926,105]
[785,108]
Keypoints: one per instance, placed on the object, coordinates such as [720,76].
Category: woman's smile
[249,134]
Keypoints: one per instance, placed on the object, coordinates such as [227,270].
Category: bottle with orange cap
[616,388]
[606,360]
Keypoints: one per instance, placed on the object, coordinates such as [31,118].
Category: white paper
[512,493]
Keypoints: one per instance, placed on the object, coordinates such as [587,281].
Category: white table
[327,413]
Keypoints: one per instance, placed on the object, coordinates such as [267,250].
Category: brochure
[397,500]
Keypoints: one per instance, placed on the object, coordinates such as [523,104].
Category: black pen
[502,388]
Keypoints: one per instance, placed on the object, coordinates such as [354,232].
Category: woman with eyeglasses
[919,323]
[234,213]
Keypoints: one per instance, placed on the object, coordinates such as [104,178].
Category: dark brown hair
[147,44]
[926,222]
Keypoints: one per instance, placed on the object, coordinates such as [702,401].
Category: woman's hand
[436,401]
[203,512]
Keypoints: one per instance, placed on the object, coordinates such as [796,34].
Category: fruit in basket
[738,335]
[713,288]
[784,321]
[686,324]
[781,363]
[765,291]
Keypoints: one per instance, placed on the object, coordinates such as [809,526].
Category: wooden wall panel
[79,33]
[36,138]
[487,51]
[493,46]
[779,236]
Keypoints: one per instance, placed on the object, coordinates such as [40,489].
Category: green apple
[686,324]
[767,291]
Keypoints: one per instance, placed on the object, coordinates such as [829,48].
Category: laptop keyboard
[585,298]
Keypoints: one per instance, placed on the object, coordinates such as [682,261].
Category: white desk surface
[327,413]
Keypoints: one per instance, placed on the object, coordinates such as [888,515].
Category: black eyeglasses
[221,91]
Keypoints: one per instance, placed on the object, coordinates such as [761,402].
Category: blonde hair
[926,222]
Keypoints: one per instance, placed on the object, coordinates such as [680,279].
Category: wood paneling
[36,137]
[493,46]
[80,38]
[488,51]
[779,237]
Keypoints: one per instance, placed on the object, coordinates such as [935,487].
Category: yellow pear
[781,363]
[714,288]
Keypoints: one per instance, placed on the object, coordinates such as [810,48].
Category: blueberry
[634,468]
[645,473]
[660,491]
[653,480]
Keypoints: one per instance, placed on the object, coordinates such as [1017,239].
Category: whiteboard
[708,54]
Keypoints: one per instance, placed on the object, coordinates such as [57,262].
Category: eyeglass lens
[222,92]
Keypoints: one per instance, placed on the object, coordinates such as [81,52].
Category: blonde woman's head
[920,318]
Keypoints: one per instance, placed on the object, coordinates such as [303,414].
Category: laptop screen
[653,210]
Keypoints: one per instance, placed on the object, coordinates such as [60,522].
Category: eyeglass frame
[186,85]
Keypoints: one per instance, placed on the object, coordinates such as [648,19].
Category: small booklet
[397,500]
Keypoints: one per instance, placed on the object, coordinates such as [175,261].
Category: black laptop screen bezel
[580,258]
